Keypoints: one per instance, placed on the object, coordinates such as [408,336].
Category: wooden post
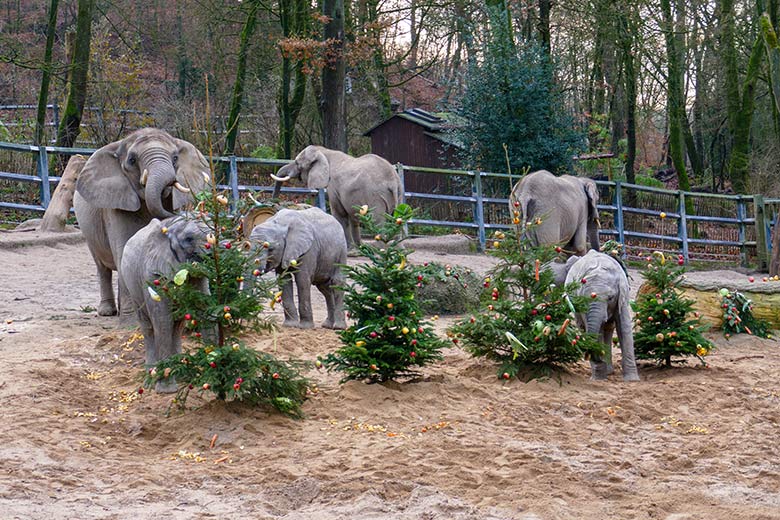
[57,213]
[762,247]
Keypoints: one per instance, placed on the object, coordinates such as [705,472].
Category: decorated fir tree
[526,322]
[389,338]
[222,364]
[738,316]
[667,327]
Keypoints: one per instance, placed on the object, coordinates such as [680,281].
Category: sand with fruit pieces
[76,442]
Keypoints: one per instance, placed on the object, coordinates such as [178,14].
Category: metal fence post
[682,227]
[619,214]
[43,174]
[741,227]
[56,109]
[762,248]
[400,169]
[234,181]
[479,210]
[321,199]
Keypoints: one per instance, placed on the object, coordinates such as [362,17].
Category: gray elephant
[351,181]
[606,283]
[156,251]
[310,244]
[566,206]
[125,184]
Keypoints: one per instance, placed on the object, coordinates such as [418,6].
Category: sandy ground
[77,442]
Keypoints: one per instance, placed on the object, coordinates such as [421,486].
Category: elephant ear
[102,182]
[191,173]
[319,172]
[300,236]
[592,191]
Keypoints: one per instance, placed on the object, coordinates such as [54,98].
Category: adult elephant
[566,206]
[351,181]
[605,282]
[126,184]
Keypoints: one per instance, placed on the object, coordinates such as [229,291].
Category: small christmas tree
[389,339]
[738,316]
[222,364]
[526,322]
[662,315]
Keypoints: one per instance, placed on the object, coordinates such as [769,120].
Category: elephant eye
[132,160]
[175,160]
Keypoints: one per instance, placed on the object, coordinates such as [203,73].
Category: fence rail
[742,224]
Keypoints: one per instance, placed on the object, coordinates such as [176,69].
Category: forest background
[686,87]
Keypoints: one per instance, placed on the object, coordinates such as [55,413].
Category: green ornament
[181,277]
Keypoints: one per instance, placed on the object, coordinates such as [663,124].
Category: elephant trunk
[595,320]
[159,182]
[285,173]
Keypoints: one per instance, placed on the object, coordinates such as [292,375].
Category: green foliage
[447,289]
[662,315]
[222,364]
[738,316]
[388,340]
[234,372]
[264,152]
[513,99]
[526,322]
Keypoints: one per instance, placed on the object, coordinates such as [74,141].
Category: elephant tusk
[181,188]
[144,176]
[253,199]
[280,179]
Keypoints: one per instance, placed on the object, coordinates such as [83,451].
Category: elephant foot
[610,369]
[290,323]
[305,324]
[354,252]
[598,371]
[339,325]
[631,377]
[106,309]
[167,386]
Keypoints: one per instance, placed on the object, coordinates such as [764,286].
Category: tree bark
[627,40]
[294,17]
[70,123]
[332,102]
[545,6]
[61,201]
[43,94]
[238,86]
[675,96]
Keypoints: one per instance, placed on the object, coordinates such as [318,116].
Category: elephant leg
[288,303]
[606,338]
[150,343]
[167,335]
[596,320]
[127,308]
[626,337]
[303,284]
[334,299]
[107,306]
[354,227]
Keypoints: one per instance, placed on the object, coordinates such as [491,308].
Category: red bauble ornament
[413,342]
[373,334]
[188,316]
[228,245]
[275,375]
[420,330]
[534,312]
[505,375]
[213,365]
[391,318]
[548,318]
[557,250]
[413,354]
[156,282]
[583,281]
[140,390]
[236,386]
[207,245]
[593,295]
[419,277]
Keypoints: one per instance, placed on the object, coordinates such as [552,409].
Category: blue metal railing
[766,209]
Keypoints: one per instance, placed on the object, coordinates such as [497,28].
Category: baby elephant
[603,276]
[152,253]
[311,245]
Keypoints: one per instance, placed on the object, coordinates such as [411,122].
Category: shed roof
[430,121]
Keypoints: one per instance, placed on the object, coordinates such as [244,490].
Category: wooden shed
[416,137]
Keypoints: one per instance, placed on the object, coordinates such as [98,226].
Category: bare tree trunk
[332,102]
[627,36]
[544,25]
[43,94]
[70,123]
[238,87]
[61,201]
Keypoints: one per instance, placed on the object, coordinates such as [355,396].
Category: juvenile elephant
[150,254]
[309,243]
[566,206]
[351,181]
[125,184]
[610,308]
